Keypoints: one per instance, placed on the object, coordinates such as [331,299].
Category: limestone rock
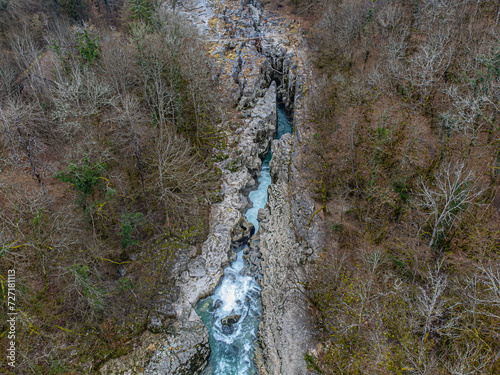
[196,267]
[230,319]
[242,232]
[262,214]
[183,353]
[217,304]
[288,242]
[228,322]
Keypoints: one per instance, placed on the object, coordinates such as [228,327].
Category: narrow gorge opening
[233,313]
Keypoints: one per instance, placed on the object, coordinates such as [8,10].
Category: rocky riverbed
[256,54]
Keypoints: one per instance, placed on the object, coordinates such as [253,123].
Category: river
[238,294]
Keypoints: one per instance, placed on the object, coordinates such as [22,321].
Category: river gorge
[237,297]
[247,281]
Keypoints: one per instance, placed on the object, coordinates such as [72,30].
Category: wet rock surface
[228,322]
[253,257]
[183,354]
[284,334]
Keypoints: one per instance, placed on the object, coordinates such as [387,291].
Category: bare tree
[79,94]
[431,60]
[390,17]
[396,54]
[430,303]
[24,145]
[342,27]
[83,282]
[443,202]
[8,75]
[434,12]
[156,65]
[469,115]
[469,361]
[489,280]
[421,361]
[122,74]
[130,118]
[434,314]
[181,175]
[33,61]
[480,296]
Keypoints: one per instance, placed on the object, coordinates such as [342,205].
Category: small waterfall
[238,294]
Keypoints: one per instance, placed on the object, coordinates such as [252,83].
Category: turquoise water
[232,353]
[284,122]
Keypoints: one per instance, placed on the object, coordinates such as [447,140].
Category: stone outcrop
[182,353]
[242,232]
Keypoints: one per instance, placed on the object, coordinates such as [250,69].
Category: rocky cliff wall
[289,241]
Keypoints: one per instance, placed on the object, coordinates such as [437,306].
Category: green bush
[125,283]
[311,362]
[88,48]
[85,178]
[129,223]
[142,9]
[89,289]
[4,4]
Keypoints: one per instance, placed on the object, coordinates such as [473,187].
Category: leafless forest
[406,160]
[108,114]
